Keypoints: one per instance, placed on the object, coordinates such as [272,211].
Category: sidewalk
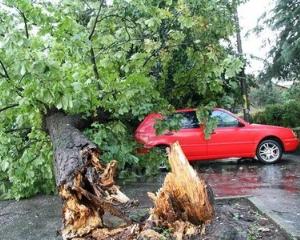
[281,206]
[274,189]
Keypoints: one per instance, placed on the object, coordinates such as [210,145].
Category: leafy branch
[25,20]
[93,58]
[27,129]
[6,75]
[9,106]
[5,70]
[96,20]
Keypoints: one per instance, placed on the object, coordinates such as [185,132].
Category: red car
[233,137]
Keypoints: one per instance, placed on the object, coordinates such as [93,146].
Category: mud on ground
[239,219]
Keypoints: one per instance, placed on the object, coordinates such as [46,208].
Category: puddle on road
[230,178]
[249,177]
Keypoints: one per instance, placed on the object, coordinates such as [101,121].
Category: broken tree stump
[184,196]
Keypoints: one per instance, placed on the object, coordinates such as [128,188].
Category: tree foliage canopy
[127,59]
[285,53]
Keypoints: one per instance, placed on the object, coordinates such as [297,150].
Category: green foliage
[266,94]
[128,59]
[170,123]
[173,121]
[34,155]
[203,114]
[293,92]
[116,142]
[285,53]
[286,115]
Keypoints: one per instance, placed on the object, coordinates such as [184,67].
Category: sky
[249,13]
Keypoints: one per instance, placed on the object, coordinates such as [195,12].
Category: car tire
[269,151]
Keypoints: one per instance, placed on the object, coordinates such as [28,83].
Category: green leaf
[23,70]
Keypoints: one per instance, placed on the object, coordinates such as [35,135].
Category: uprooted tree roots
[183,205]
[92,193]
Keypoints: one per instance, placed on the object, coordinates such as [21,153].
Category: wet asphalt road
[275,189]
[236,178]
[249,177]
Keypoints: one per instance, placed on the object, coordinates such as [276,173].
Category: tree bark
[85,185]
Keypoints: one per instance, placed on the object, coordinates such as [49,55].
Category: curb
[276,220]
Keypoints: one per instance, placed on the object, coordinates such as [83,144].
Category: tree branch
[116,44]
[119,16]
[93,60]
[9,106]
[86,3]
[25,22]
[126,28]
[5,70]
[18,89]
[154,52]
[18,130]
[96,20]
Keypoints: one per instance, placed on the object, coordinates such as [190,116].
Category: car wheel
[269,151]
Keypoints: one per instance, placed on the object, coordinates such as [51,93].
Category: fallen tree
[129,59]
[88,190]
[85,185]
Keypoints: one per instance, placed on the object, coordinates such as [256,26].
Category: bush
[287,115]
[266,95]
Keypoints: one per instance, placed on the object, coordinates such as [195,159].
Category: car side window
[224,119]
[187,119]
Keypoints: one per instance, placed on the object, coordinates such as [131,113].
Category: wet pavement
[37,218]
[230,178]
[249,177]
[274,189]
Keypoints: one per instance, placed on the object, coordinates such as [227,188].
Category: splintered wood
[185,201]
[182,206]
[92,193]
[184,195]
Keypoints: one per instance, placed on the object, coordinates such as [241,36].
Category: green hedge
[287,115]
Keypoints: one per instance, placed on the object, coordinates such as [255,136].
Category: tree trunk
[85,185]
[88,190]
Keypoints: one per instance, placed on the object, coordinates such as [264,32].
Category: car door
[230,138]
[190,136]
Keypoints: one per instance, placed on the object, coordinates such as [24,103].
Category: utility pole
[242,75]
